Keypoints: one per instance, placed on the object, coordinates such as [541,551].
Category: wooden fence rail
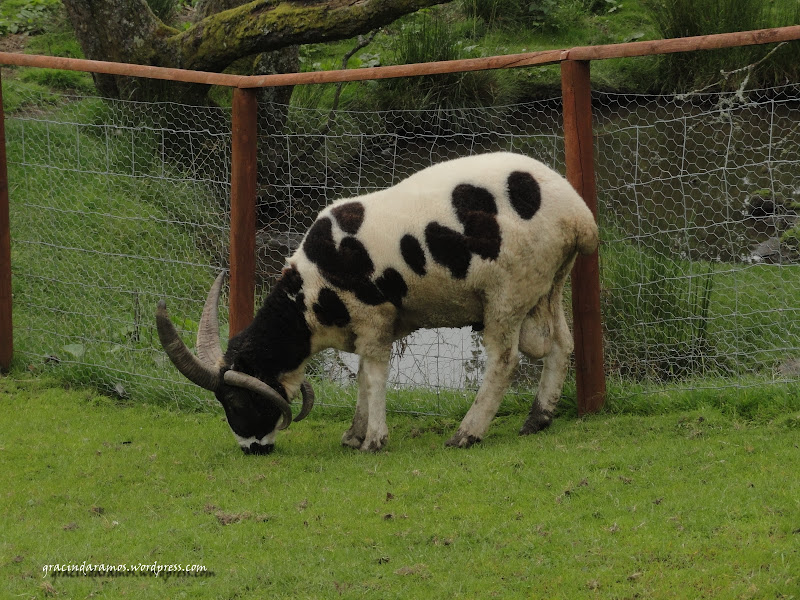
[578,140]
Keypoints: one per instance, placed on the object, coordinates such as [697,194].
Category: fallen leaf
[48,589]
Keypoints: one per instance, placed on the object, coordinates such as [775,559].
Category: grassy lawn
[688,503]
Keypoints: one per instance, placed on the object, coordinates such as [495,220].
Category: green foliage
[26,16]
[541,14]
[55,43]
[671,299]
[428,37]
[19,95]
[57,79]
[682,18]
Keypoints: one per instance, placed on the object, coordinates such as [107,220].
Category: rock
[790,367]
[767,251]
[759,207]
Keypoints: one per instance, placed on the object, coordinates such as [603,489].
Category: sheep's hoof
[373,445]
[352,440]
[536,422]
[462,440]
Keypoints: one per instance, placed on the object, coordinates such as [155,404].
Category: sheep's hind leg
[545,334]
[501,343]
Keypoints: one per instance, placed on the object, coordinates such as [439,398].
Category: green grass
[717,319]
[683,18]
[102,229]
[698,502]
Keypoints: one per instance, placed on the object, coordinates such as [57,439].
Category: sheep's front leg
[369,431]
[354,436]
[502,354]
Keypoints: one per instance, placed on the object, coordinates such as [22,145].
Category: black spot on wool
[448,248]
[349,216]
[477,210]
[330,309]
[349,267]
[392,286]
[291,281]
[482,235]
[471,198]
[524,194]
[344,266]
[412,253]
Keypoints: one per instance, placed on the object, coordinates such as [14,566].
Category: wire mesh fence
[700,197]
[112,208]
[118,204]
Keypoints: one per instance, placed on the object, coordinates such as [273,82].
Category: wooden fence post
[6,329]
[244,166]
[579,151]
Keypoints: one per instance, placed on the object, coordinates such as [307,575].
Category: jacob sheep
[486,241]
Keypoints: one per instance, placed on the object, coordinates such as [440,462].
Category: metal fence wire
[117,204]
[699,198]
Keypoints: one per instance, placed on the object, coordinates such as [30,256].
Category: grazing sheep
[486,241]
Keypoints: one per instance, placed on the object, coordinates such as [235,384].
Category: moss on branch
[267,25]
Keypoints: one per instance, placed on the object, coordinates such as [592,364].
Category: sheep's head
[254,409]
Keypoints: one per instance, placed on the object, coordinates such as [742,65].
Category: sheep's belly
[452,310]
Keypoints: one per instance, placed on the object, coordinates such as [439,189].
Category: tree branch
[266,25]
[363,42]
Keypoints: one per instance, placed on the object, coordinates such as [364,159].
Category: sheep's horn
[308,400]
[208,346]
[195,370]
[248,382]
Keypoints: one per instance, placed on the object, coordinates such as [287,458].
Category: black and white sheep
[486,241]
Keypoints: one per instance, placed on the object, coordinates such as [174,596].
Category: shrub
[684,18]
[430,38]
[541,14]
[26,16]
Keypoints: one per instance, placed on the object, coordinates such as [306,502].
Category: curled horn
[209,349]
[194,369]
[308,400]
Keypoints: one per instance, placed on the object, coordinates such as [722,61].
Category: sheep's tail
[587,237]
